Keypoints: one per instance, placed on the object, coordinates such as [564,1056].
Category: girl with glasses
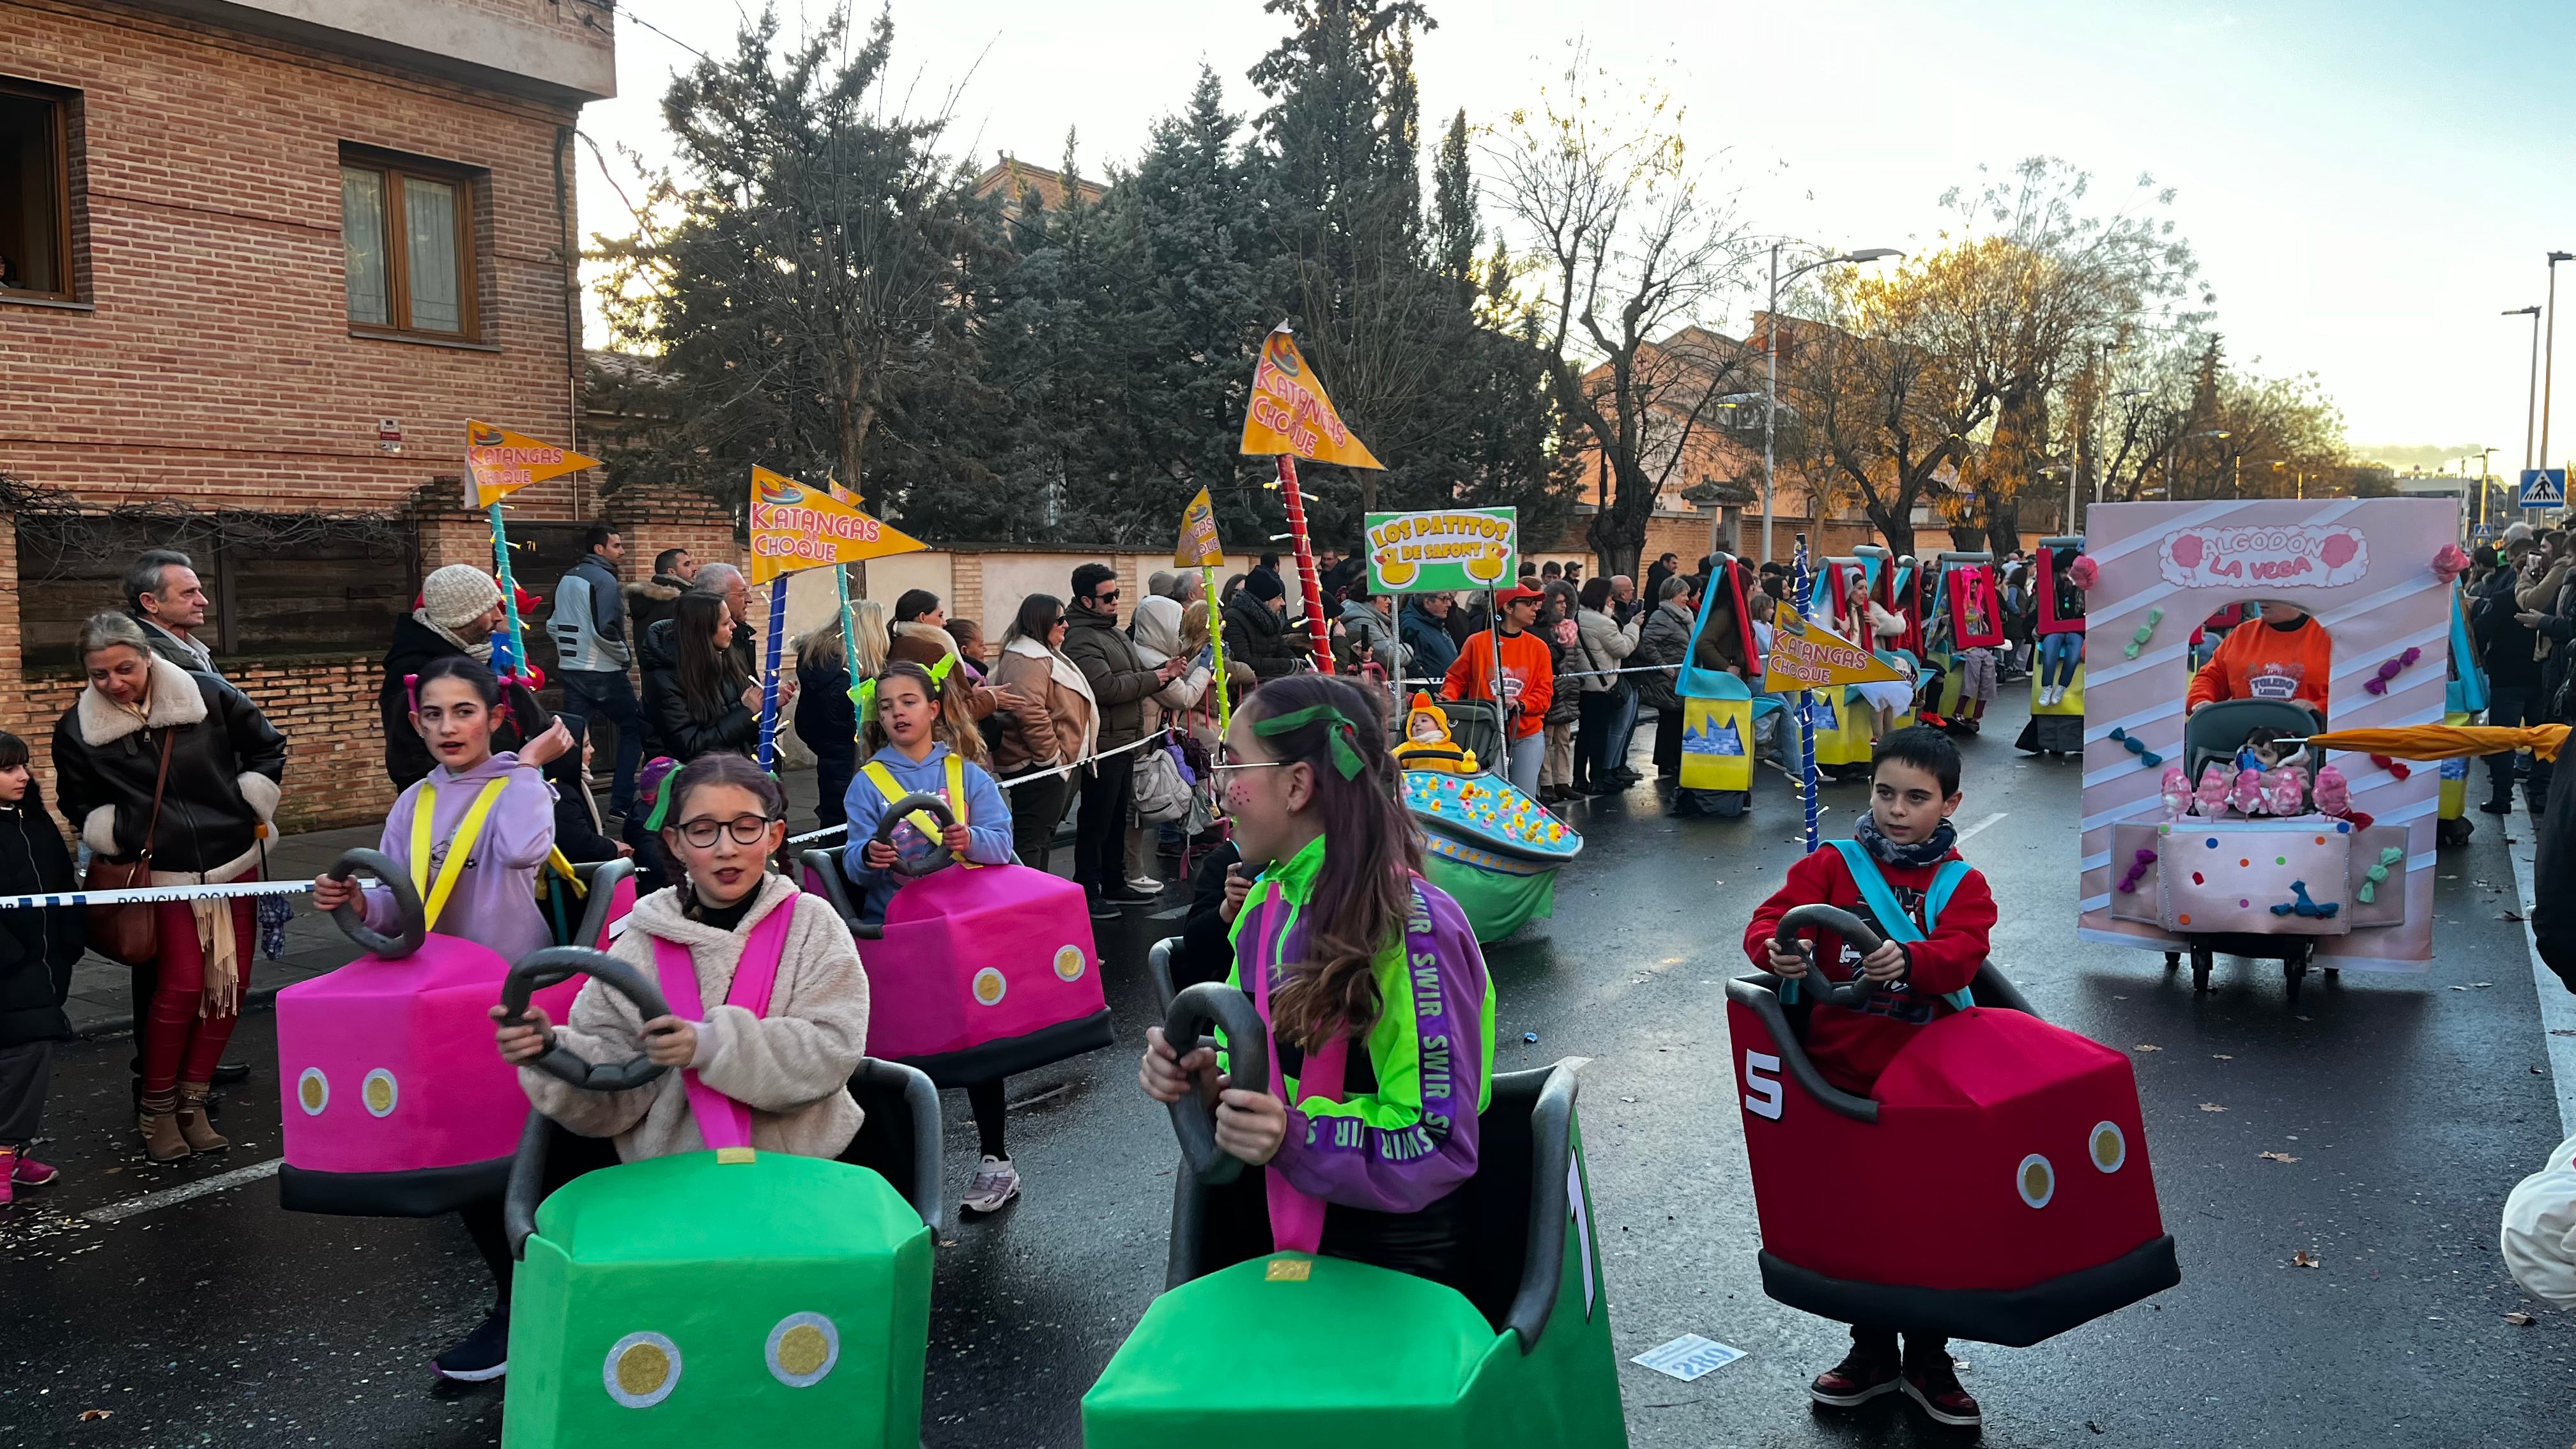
[1381,1017]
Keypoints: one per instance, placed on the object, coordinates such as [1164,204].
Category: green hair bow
[1345,735]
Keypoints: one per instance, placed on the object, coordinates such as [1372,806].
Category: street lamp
[2549,353]
[1771,349]
[2531,389]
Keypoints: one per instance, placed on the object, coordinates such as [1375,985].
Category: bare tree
[1631,251]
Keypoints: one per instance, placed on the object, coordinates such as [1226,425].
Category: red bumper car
[1993,1186]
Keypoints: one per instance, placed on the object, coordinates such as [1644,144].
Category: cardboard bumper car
[2014,1145]
[976,972]
[719,1296]
[1260,1349]
[396,1105]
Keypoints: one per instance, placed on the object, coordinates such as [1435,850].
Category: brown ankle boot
[200,1133]
[162,1141]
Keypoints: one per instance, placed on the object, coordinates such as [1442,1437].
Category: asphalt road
[2410,1103]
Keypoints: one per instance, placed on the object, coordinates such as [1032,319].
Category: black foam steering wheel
[917,800]
[561,963]
[1247,1045]
[1851,994]
[351,915]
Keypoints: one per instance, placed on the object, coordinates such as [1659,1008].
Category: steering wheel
[351,915]
[1213,1003]
[1852,994]
[928,803]
[561,963]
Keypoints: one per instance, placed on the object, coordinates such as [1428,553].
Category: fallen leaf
[86,1415]
[2220,1057]
[2537,1072]
[2305,1259]
[2520,1320]
[2511,916]
[2459,988]
[2480,985]
[2211,1107]
[2148,1046]
[2553,1031]
[2276,1157]
[2307,1018]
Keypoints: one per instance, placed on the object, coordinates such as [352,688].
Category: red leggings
[178,1044]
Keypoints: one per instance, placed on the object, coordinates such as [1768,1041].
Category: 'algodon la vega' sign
[2315,556]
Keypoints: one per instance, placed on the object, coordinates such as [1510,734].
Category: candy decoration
[2284,789]
[2145,632]
[2215,777]
[2177,793]
[2137,869]
[2378,683]
[2449,562]
[2396,768]
[2084,573]
[2246,794]
[2137,747]
[2369,891]
[2302,906]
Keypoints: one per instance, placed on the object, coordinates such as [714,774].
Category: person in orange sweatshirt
[2287,655]
[1525,686]
[1903,874]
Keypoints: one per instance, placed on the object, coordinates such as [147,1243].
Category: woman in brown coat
[1052,722]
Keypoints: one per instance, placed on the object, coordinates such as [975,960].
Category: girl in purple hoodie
[472,834]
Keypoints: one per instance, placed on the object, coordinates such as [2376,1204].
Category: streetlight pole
[2531,389]
[2549,353]
[1771,355]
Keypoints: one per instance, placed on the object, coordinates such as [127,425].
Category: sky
[2366,184]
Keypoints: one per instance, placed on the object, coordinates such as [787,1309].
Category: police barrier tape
[828,831]
[142,895]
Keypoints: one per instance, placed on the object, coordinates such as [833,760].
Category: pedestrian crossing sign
[2543,488]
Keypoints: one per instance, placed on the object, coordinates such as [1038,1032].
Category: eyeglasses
[745,830]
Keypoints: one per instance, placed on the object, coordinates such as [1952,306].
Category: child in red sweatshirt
[1901,873]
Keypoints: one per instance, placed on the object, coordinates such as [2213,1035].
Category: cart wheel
[2294,968]
[2202,959]
[2334,973]
[2173,961]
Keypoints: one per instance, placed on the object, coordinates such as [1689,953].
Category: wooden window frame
[469,260]
[65,268]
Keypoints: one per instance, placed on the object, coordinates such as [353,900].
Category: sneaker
[1859,1378]
[1146,885]
[30,1173]
[2496,807]
[1102,910]
[996,1183]
[1935,1390]
[482,1356]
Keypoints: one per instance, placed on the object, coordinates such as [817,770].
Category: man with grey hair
[727,583]
[164,595]
[1187,588]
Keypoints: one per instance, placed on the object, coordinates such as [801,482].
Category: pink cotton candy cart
[977,971]
[396,1105]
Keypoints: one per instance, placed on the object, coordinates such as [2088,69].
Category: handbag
[127,932]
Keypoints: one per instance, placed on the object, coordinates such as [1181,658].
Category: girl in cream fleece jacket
[790,1063]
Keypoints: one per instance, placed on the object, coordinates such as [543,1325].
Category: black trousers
[1668,744]
[568,1156]
[1037,808]
[1592,736]
[1100,832]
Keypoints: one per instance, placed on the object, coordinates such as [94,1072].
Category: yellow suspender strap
[459,846]
[883,778]
[560,864]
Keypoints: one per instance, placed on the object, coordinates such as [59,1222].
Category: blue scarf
[1922,853]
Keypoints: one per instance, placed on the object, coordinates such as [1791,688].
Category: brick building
[265,257]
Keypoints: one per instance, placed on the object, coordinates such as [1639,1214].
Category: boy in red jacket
[1902,874]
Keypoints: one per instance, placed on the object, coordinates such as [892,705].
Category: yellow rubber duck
[1426,744]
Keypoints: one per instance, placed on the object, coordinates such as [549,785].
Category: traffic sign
[2543,488]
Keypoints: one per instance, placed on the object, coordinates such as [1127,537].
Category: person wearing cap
[1525,681]
[460,606]
[1256,628]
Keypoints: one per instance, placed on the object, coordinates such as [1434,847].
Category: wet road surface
[2410,1103]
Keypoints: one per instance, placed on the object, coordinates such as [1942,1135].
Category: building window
[35,193]
[277,585]
[408,235]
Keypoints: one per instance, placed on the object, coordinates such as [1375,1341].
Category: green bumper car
[718,1298]
[1285,1350]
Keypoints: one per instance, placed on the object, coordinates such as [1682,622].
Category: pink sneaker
[31,1173]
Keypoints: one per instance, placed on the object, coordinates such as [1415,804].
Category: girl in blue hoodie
[913,724]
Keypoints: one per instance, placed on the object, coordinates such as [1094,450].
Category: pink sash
[1296,1218]
[722,1121]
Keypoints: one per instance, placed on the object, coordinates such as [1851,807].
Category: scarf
[1912,857]
[481,653]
